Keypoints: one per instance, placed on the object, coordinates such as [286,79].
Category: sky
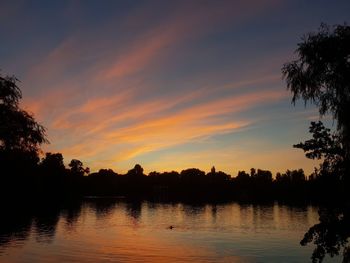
[167,84]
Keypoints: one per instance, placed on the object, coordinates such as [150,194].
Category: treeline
[26,175]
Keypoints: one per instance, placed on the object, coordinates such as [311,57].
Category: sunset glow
[166,84]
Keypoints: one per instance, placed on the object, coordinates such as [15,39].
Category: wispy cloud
[103,98]
[155,128]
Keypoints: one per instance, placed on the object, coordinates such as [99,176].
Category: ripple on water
[119,231]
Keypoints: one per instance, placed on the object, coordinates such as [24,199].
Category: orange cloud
[162,130]
[43,106]
[97,111]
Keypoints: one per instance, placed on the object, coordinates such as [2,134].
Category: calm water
[105,230]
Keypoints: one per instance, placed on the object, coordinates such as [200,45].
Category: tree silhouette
[328,147]
[77,168]
[192,173]
[136,171]
[18,129]
[53,165]
[104,173]
[330,235]
[242,176]
[321,75]
[294,176]
[20,139]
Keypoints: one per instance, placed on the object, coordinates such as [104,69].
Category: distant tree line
[50,178]
[24,173]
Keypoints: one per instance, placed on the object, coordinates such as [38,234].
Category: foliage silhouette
[330,235]
[321,75]
[53,164]
[20,140]
[137,171]
[296,176]
[77,168]
[328,147]
[18,129]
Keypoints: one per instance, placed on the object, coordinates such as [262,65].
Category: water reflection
[133,209]
[120,230]
[103,207]
[14,229]
[45,226]
[331,234]
[71,214]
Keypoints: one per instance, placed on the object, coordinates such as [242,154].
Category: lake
[116,230]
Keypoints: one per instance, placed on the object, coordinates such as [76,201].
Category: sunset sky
[166,84]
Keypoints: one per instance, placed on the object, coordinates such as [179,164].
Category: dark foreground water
[114,230]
